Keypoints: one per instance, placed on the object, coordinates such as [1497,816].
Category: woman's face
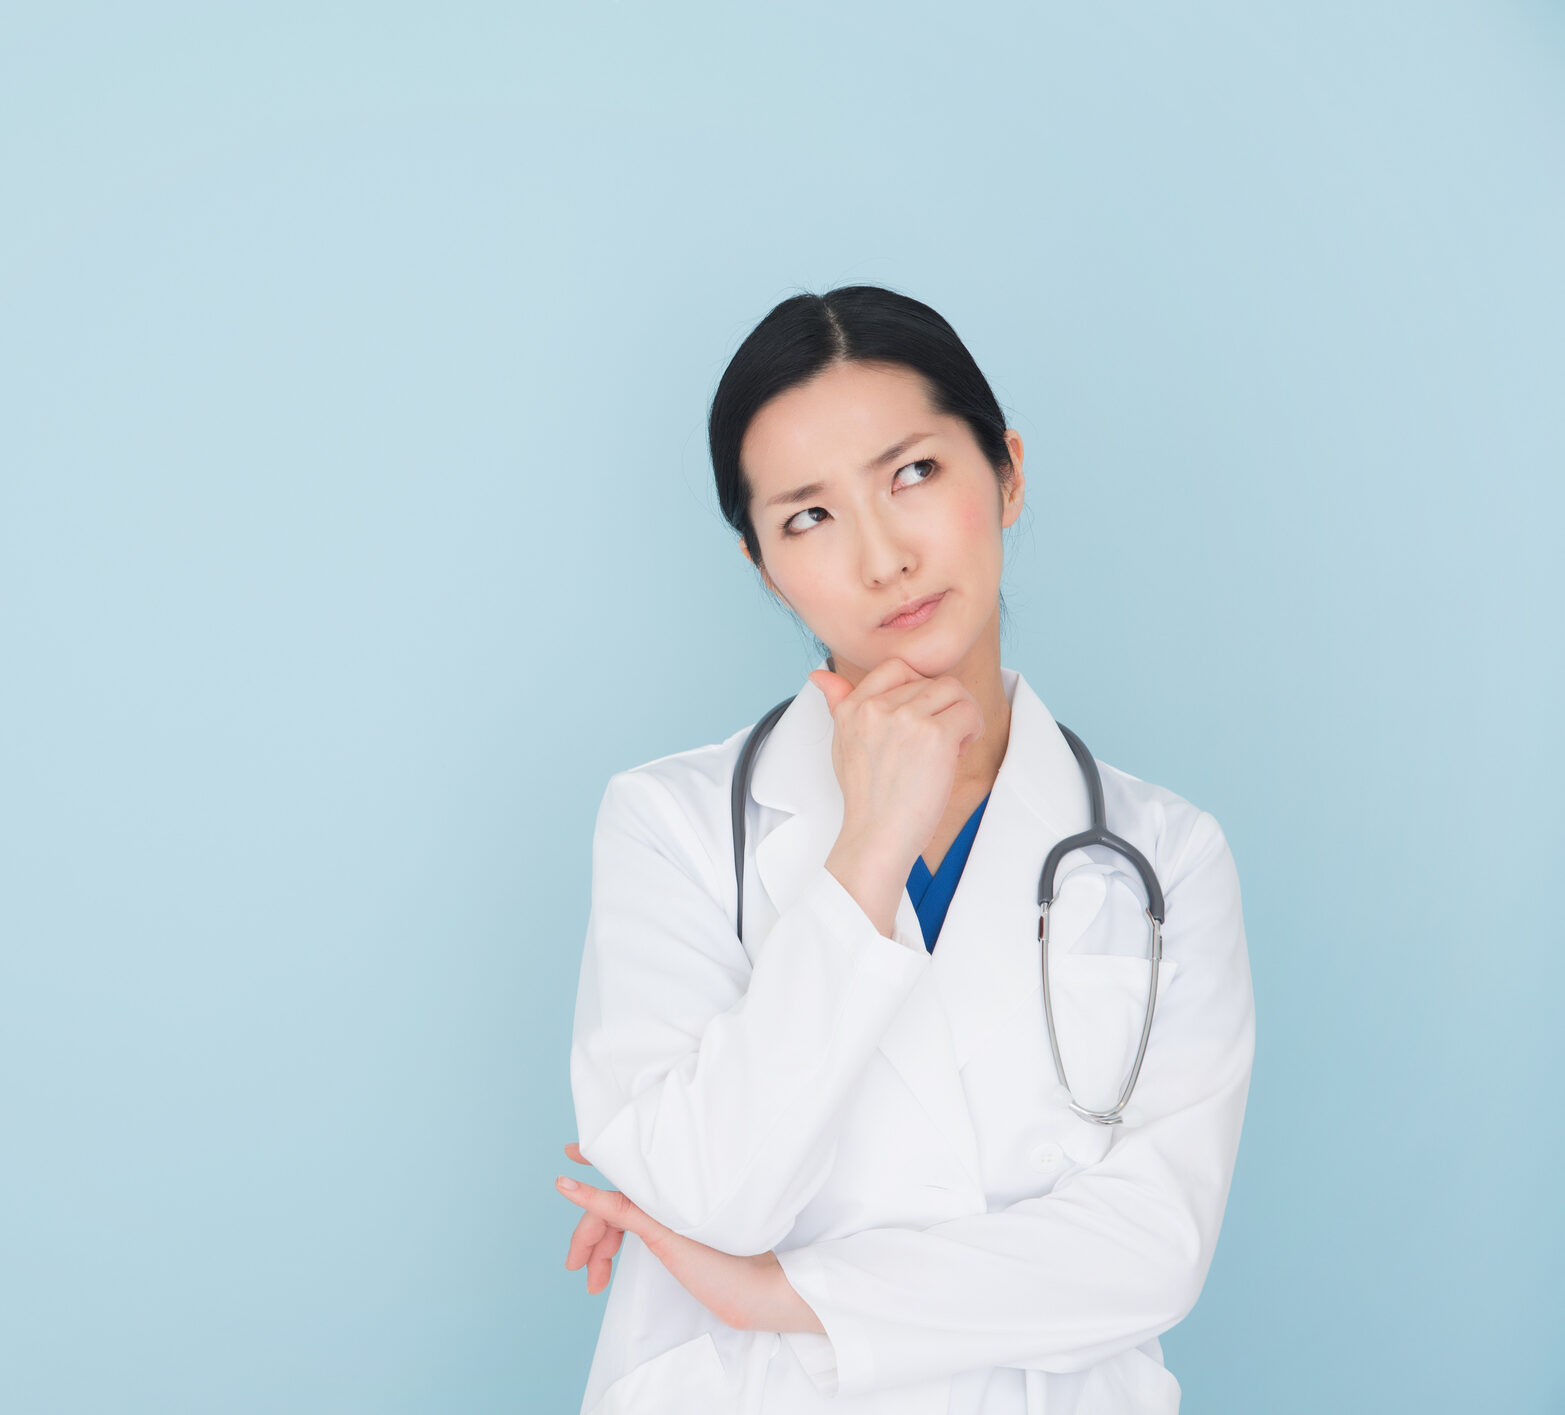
[864,499]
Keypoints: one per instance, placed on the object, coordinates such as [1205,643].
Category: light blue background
[356,524]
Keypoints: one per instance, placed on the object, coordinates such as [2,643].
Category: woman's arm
[706,1091]
[747,1293]
[1117,1252]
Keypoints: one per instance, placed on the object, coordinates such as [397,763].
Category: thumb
[834,687]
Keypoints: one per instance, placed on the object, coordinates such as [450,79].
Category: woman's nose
[882,557]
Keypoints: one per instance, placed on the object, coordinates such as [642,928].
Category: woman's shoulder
[691,774]
[1170,830]
[681,797]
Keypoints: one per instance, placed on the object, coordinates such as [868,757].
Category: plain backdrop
[356,523]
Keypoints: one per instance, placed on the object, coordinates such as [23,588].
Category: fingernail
[565,1183]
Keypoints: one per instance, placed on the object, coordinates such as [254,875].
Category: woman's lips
[916,616]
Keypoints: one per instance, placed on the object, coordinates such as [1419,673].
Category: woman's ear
[765,578]
[1014,493]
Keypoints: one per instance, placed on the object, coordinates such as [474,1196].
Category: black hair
[806,334]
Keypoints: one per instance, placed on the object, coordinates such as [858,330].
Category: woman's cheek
[974,518]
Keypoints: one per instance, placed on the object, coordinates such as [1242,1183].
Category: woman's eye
[793,526]
[790,529]
[925,462]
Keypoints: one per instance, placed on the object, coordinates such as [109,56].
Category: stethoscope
[1097,833]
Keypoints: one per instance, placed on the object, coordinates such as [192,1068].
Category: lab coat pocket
[1099,1001]
[687,1379]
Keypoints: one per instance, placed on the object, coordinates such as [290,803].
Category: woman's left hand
[746,1293]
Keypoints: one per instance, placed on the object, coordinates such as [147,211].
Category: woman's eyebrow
[803,493]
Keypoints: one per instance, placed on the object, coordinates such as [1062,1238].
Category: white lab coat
[887,1119]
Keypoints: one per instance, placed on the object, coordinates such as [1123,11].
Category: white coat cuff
[839,907]
[832,1361]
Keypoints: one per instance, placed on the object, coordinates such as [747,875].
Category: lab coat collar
[986,961]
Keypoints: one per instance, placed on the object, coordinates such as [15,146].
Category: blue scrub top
[931,893]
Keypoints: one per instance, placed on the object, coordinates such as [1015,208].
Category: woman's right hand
[896,741]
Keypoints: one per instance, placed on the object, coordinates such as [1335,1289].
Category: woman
[849,1177]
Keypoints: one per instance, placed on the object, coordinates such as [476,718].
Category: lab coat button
[1046,1157]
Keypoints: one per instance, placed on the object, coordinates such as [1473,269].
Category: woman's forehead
[847,419]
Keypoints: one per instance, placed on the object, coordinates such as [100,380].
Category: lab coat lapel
[794,773]
[986,961]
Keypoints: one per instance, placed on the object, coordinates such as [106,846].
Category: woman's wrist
[791,1311]
[872,875]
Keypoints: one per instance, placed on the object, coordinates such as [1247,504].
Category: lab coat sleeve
[707,1091]
[1119,1250]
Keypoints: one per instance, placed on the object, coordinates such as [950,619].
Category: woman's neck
[978,670]
[980,761]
